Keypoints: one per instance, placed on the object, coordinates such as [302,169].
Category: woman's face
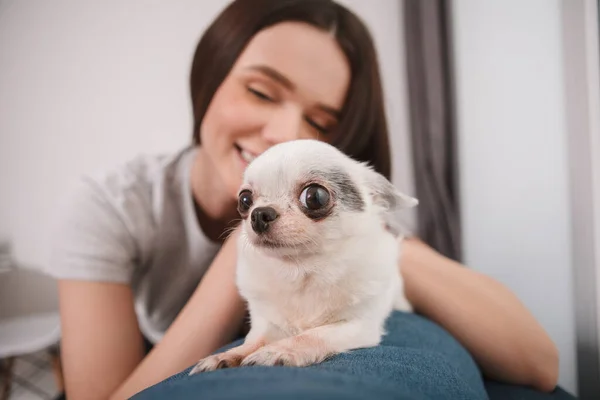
[289,83]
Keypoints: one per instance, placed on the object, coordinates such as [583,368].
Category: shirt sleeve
[93,239]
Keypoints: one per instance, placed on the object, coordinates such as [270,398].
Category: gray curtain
[433,133]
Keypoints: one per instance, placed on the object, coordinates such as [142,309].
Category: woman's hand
[499,332]
[102,346]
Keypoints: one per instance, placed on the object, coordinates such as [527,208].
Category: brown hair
[362,130]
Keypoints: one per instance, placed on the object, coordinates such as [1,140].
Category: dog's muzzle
[262,217]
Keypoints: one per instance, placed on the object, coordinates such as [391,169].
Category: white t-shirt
[136,225]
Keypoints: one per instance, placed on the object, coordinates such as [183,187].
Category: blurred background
[506,92]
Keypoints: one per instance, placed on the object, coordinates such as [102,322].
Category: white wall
[513,157]
[87,85]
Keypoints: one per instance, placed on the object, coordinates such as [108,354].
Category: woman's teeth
[247,156]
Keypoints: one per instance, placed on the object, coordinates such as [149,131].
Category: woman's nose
[283,125]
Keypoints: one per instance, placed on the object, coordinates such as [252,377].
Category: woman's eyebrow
[330,110]
[288,84]
[275,75]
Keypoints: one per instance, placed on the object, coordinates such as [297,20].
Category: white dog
[318,256]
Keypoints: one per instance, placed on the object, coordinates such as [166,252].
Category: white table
[29,317]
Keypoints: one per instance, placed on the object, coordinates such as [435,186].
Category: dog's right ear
[390,201]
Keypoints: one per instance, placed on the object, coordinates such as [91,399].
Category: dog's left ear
[389,200]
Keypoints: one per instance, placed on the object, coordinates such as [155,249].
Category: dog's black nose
[262,217]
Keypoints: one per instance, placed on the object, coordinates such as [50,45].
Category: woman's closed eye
[261,95]
[321,129]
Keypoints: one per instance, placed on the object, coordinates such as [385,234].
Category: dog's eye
[245,200]
[314,197]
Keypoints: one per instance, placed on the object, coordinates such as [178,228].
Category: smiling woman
[140,251]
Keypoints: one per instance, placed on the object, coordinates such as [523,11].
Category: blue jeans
[417,359]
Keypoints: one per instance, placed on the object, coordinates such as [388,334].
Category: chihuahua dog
[318,256]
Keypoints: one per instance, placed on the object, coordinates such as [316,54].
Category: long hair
[362,130]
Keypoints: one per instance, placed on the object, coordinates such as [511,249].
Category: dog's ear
[389,200]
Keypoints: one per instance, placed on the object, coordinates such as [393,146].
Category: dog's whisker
[229,230]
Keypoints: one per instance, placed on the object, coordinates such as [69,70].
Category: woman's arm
[209,320]
[101,343]
[102,346]
[482,314]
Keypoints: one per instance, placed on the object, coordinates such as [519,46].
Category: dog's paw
[281,356]
[217,361]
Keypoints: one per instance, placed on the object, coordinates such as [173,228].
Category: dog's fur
[317,282]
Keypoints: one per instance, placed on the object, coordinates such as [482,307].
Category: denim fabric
[417,359]
[501,391]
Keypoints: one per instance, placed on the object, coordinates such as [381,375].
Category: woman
[140,250]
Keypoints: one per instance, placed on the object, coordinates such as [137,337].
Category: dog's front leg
[315,345]
[260,334]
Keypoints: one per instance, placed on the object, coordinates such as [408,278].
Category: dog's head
[299,197]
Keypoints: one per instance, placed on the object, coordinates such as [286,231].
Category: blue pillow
[417,359]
